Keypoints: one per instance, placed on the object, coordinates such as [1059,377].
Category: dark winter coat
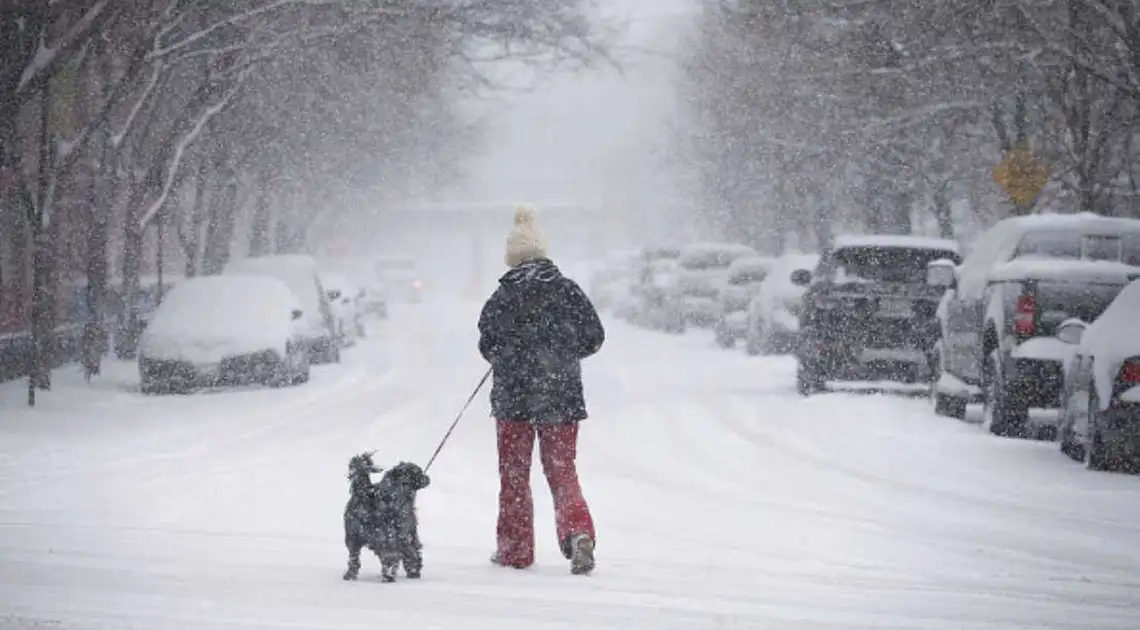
[534,331]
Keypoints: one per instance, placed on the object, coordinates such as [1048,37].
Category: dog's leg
[354,547]
[413,562]
[412,551]
[389,565]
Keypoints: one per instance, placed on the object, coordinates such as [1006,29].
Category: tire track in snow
[285,413]
[1015,547]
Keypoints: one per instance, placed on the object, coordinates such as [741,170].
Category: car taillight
[1025,315]
[1130,372]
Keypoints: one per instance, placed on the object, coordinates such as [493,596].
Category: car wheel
[723,339]
[809,380]
[944,404]
[1096,452]
[1000,415]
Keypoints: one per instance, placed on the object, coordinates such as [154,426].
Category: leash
[470,399]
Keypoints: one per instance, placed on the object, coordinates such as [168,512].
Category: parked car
[344,302]
[1100,399]
[611,283]
[374,299]
[361,272]
[704,270]
[658,301]
[300,274]
[745,276]
[224,330]
[869,313]
[774,313]
[402,278]
[1024,277]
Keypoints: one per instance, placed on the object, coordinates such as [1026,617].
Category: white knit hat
[525,242]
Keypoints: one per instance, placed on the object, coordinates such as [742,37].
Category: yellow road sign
[1021,175]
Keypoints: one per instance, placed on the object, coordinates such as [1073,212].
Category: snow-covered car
[224,330]
[704,270]
[301,275]
[869,312]
[611,284]
[1003,304]
[774,314]
[659,304]
[360,271]
[1099,420]
[344,301]
[401,277]
[745,275]
[374,299]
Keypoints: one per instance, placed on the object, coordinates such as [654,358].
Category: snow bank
[1112,338]
[205,319]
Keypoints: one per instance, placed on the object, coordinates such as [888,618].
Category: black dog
[382,517]
[397,529]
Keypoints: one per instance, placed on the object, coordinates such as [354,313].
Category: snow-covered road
[723,500]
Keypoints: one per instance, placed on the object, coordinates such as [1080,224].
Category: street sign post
[1021,175]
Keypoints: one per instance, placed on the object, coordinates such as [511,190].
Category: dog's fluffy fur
[382,517]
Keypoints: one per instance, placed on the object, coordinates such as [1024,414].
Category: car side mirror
[801,277]
[942,273]
[1071,331]
[297,313]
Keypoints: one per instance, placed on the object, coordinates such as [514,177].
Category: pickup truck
[1004,303]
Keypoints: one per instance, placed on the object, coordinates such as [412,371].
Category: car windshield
[883,264]
[1123,248]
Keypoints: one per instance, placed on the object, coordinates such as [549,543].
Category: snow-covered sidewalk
[723,500]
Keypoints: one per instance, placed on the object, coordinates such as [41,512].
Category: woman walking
[535,330]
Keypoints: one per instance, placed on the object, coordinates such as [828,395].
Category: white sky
[587,136]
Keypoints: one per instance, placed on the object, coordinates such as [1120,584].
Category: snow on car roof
[224,301]
[752,263]
[896,240]
[1077,221]
[703,248]
[1076,270]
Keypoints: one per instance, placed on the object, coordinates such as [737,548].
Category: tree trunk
[220,228]
[43,311]
[262,221]
[100,208]
[942,210]
[129,328]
